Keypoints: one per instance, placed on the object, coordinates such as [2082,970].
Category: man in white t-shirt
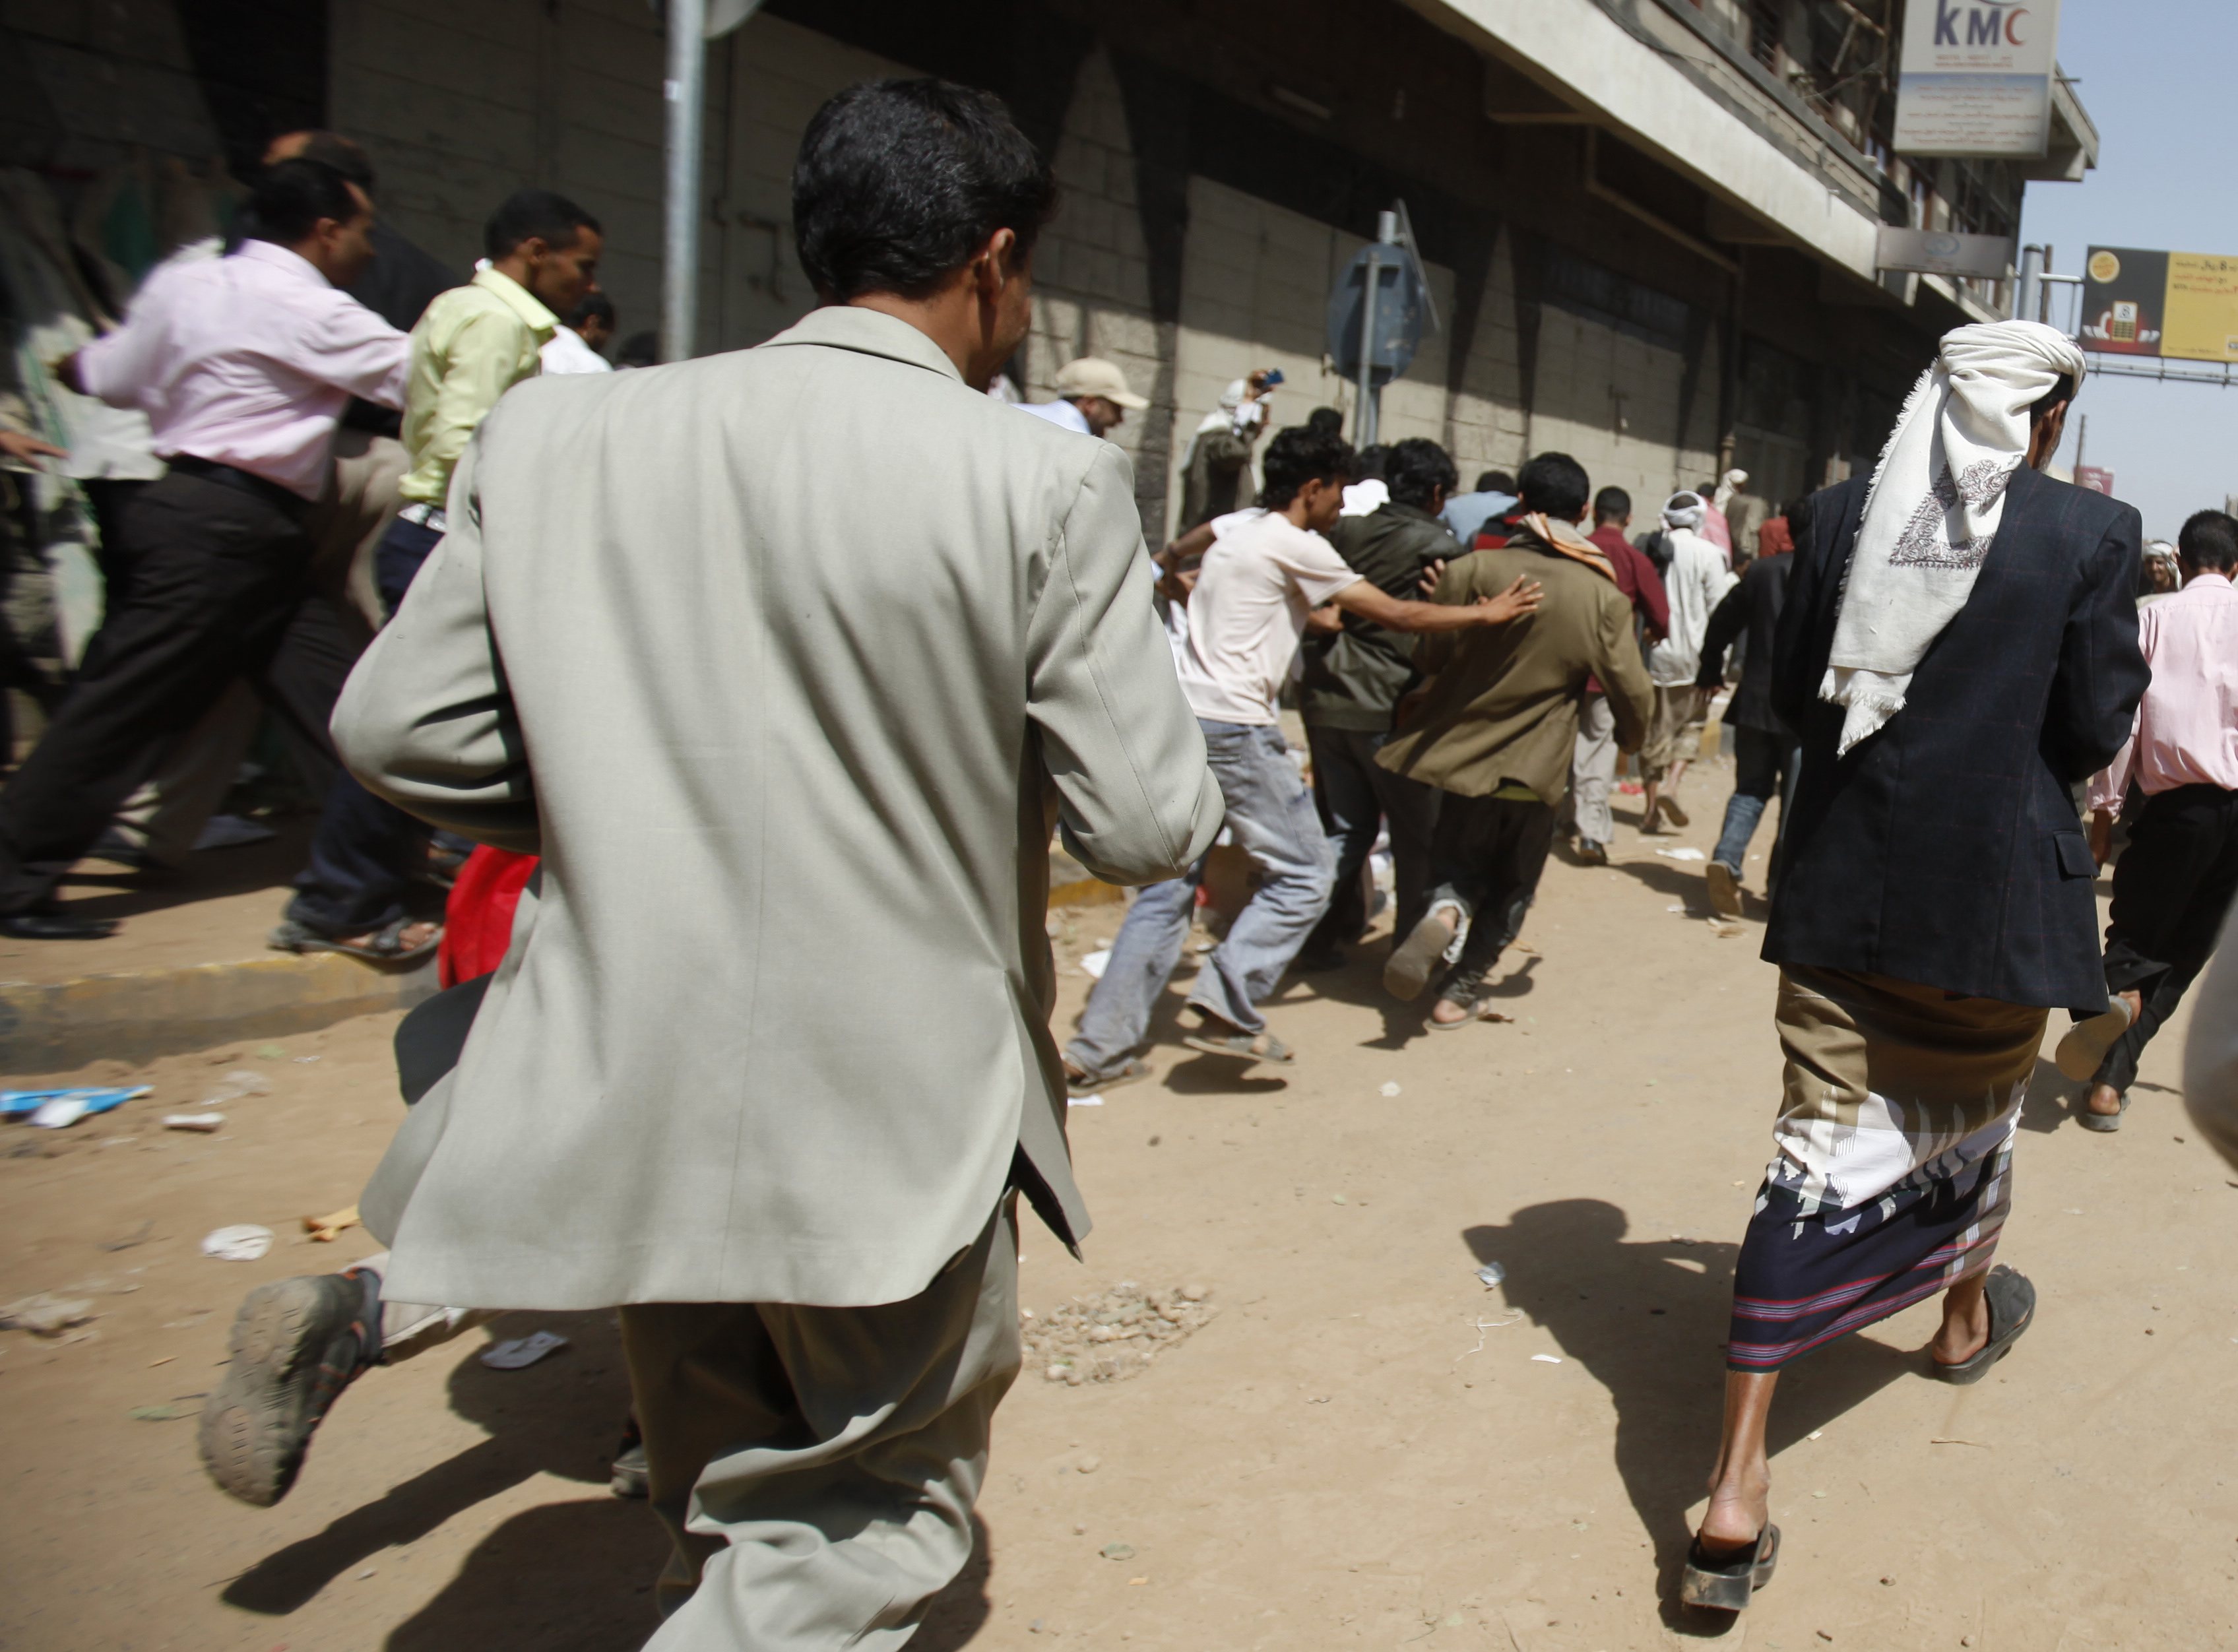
[1260,580]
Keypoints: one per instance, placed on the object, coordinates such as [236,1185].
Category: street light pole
[1386,233]
[686,93]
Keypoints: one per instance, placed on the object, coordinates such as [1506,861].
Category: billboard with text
[2183,306]
[1976,78]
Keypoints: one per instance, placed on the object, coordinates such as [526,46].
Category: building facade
[1648,225]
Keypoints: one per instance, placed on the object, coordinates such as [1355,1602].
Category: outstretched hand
[1521,599]
[26,449]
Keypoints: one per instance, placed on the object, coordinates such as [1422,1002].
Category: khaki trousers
[1593,770]
[818,1466]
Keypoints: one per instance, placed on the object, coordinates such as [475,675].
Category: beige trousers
[1593,770]
[818,1467]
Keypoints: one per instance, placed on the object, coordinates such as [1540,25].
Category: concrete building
[1649,224]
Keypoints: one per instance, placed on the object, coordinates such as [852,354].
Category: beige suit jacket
[783,660]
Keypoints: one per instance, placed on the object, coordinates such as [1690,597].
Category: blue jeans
[1273,816]
[396,560]
[1764,763]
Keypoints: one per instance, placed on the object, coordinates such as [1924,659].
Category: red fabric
[478,918]
[1637,578]
[1774,538]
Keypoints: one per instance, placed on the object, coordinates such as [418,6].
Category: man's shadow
[1361,983]
[1648,1319]
[561,1415]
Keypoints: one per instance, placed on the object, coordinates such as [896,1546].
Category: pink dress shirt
[248,360]
[2187,727]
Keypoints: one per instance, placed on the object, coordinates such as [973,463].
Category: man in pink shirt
[244,365]
[2176,783]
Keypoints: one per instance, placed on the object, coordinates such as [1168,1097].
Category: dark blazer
[1944,849]
[1751,608]
[1353,679]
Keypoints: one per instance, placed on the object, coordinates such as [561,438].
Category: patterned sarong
[1891,1177]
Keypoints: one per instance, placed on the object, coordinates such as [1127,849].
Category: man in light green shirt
[473,344]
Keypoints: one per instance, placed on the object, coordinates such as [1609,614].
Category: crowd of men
[807,1215]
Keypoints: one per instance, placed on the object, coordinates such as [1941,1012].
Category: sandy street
[1364,1446]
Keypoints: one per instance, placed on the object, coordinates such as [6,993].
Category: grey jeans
[1593,770]
[1274,819]
[817,1467]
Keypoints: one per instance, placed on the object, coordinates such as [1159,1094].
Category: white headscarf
[1932,512]
[1728,485]
[1684,510]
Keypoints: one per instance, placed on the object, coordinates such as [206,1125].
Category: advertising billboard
[1976,78]
[2183,306]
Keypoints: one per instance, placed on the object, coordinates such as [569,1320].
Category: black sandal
[2011,1302]
[1725,1584]
[384,946]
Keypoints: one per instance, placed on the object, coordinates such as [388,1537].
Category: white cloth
[1063,414]
[1695,582]
[1259,582]
[1932,512]
[248,360]
[1684,510]
[1728,485]
[1365,498]
[566,352]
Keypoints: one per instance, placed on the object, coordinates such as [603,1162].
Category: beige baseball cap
[1093,376]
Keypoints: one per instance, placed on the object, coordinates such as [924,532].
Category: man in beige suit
[749,717]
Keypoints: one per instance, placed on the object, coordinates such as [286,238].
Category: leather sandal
[2011,1301]
[1726,1583]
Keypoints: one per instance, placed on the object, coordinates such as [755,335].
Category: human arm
[1624,679]
[1727,621]
[348,346]
[481,362]
[1446,614]
[1136,802]
[2102,673]
[22,447]
[427,720]
[1653,602]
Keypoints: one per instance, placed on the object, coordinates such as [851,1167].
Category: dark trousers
[215,589]
[397,558]
[356,878]
[1486,856]
[1353,794]
[2172,887]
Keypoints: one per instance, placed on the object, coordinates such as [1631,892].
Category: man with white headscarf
[1695,582]
[1958,649]
[1217,471]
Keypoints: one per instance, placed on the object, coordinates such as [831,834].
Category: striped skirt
[1891,1176]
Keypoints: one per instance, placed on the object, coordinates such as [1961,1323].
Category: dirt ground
[1364,1446]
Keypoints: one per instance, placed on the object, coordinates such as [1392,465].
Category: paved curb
[53,1027]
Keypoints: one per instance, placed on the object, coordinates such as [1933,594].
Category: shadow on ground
[1647,1317]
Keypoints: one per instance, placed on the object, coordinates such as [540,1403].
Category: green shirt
[474,343]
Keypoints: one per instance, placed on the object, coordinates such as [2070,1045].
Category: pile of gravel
[1110,1337]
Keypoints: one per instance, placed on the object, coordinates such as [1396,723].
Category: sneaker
[1408,971]
[632,1478]
[1724,890]
[295,1345]
[1592,854]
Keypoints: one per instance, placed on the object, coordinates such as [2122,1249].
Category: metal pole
[1386,233]
[2043,286]
[2024,294]
[685,91]
[2082,435]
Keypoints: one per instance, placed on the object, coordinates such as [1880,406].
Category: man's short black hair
[1415,469]
[535,214]
[2063,389]
[1300,455]
[640,350]
[346,155]
[289,199]
[1369,462]
[1610,505]
[2208,541]
[592,305]
[1326,421]
[1555,485]
[899,182]
[1494,482]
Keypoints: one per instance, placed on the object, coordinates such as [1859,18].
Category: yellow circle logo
[2104,266]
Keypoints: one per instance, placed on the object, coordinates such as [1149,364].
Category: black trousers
[2172,887]
[1353,793]
[214,589]
[1487,855]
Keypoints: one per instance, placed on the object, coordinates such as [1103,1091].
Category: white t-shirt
[1259,582]
[565,351]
